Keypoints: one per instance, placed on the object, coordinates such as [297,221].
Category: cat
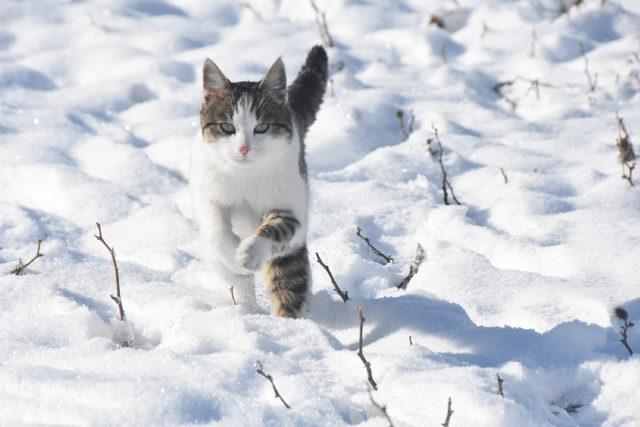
[248,179]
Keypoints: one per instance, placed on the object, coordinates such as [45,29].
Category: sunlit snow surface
[99,102]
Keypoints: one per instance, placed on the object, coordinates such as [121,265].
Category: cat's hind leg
[289,281]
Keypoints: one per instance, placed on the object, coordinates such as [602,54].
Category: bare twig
[260,371]
[534,86]
[375,250]
[117,298]
[534,39]
[417,260]
[591,80]
[485,29]
[497,88]
[382,408]
[437,21]
[500,381]
[405,130]
[366,363]
[233,297]
[19,270]
[622,314]
[449,413]
[253,10]
[504,176]
[444,182]
[321,22]
[572,408]
[410,340]
[626,155]
[343,295]
[432,151]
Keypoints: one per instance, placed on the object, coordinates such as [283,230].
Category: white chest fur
[247,192]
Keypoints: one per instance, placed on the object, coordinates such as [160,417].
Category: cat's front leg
[221,242]
[270,239]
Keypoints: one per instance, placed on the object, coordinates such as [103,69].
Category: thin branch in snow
[432,151]
[500,381]
[375,250]
[626,155]
[437,21]
[117,298]
[19,270]
[417,260]
[410,340]
[253,10]
[321,22]
[534,39]
[343,295]
[591,80]
[504,176]
[485,29]
[233,297]
[449,413]
[260,371]
[444,182]
[366,363]
[382,408]
[497,88]
[623,315]
[405,130]
[572,408]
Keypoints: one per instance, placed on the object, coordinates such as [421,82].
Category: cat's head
[246,123]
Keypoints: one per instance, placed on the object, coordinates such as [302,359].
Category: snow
[98,105]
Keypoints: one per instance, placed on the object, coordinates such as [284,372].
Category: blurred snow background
[99,101]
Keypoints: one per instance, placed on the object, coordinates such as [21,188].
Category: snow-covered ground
[99,102]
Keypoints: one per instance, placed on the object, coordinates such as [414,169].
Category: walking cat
[249,178]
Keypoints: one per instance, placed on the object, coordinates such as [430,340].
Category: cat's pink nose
[244,150]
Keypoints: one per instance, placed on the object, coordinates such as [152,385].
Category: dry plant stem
[623,315]
[430,148]
[504,176]
[117,298]
[410,340]
[233,297]
[253,10]
[19,270]
[592,81]
[626,155]
[497,88]
[437,21]
[623,336]
[405,131]
[343,295]
[444,182]
[375,250]
[449,413]
[260,371]
[382,409]
[500,381]
[366,363]
[321,22]
[417,260]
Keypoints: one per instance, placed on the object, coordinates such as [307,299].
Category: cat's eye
[261,128]
[227,128]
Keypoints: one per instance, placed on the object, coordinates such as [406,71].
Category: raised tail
[307,90]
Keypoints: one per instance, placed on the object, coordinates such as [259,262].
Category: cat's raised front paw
[253,252]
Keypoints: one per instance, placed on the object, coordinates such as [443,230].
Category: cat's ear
[275,80]
[214,81]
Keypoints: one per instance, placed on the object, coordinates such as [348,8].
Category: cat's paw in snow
[253,252]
